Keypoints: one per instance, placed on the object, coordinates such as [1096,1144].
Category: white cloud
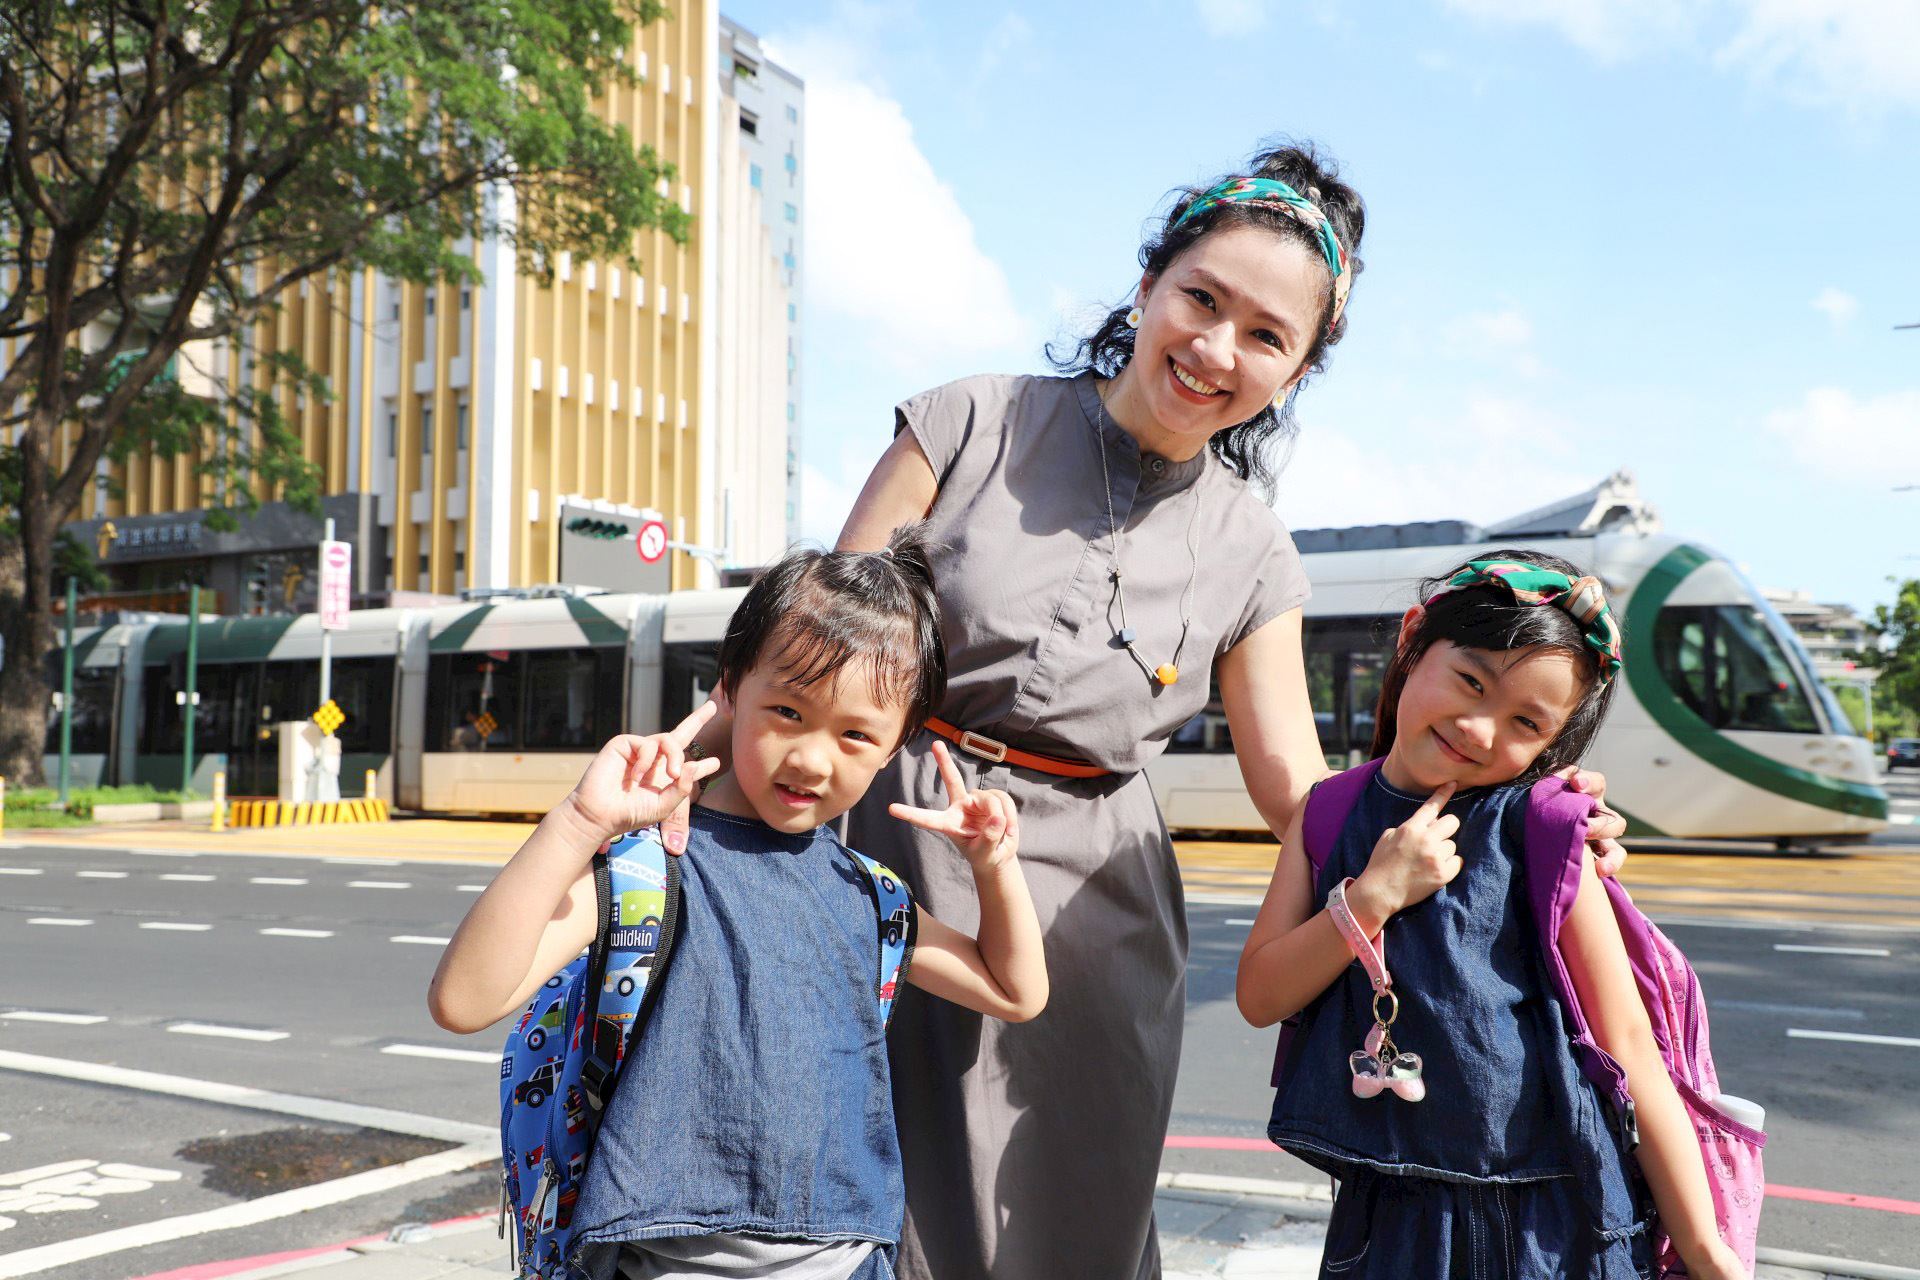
[1502,337]
[1610,30]
[1837,305]
[1232,17]
[1859,55]
[1499,457]
[892,260]
[1873,441]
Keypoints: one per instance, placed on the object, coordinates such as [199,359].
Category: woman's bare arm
[1263,686]
[900,490]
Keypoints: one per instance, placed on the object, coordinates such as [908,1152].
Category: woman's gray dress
[1031,1150]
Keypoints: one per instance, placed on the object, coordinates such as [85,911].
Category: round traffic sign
[651,541]
[338,554]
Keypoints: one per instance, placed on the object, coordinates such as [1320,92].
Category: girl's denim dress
[1510,1167]
[756,1099]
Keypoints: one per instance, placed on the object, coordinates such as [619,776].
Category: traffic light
[605,530]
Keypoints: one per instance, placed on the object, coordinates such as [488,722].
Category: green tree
[170,169]
[1895,650]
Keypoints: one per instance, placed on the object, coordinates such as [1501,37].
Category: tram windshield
[1729,666]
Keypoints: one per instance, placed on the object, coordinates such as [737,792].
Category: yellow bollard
[219,800]
[373,790]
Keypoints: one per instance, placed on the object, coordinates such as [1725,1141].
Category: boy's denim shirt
[1506,1101]
[756,1099]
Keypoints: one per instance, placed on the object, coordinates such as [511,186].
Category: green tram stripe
[221,640]
[450,640]
[1695,734]
[595,625]
[1637,827]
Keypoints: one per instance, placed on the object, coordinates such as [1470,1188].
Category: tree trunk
[28,633]
[26,609]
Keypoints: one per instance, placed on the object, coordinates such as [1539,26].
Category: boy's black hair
[822,611]
[1489,618]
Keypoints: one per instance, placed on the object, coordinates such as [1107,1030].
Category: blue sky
[1670,236]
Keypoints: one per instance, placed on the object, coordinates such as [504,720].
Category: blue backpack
[564,1056]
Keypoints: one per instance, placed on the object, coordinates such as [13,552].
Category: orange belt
[986,748]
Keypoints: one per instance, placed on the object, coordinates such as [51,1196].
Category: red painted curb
[237,1266]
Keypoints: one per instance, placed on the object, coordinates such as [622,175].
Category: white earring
[1133,318]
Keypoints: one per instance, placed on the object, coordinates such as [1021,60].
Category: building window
[393,432]
[745,70]
[793,411]
[460,423]
[430,293]
[793,163]
[793,312]
[793,115]
[426,430]
[749,124]
[466,298]
[793,212]
[753,176]
[788,260]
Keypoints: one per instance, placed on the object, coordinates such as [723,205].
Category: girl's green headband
[1529,584]
[1270,193]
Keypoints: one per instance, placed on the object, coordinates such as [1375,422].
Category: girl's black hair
[1489,618]
[1105,352]
[822,611]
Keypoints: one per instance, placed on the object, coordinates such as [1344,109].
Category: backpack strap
[1556,840]
[1328,806]
[635,861]
[899,926]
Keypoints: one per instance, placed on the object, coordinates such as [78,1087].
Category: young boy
[752,1132]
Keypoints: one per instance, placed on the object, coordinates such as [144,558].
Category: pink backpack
[1556,835]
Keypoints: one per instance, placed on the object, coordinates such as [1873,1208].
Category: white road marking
[365,862]
[1853,1037]
[296,933]
[63,920]
[435,1051]
[175,926]
[21,1177]
[236,1095]
[230,1033]
[264,1209]
[421,939]
[1240,920]
[189,876]
[66,1019]
[1833,951]
[471,888]
[277,880]
[21,871]
[1786,1010]
[1904,819]
[165,853]
[379,884]
[101,875]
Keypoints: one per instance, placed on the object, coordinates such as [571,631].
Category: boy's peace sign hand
[637,781]
[982,823]
[1412,861]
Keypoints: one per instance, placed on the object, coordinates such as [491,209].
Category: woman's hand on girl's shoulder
[982,824]
[1411,862]
[636,781]
[1606,827]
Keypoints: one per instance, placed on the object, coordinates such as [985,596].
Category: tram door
[265,695]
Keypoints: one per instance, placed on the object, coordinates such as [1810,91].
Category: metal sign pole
[66,699]
[326,633]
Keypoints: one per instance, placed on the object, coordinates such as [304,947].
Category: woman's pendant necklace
[1166,673]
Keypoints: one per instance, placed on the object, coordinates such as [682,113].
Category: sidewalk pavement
[1211,1228]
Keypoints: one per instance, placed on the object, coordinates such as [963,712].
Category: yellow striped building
[462,416]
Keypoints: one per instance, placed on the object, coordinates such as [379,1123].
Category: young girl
[752,1133]
[1485,1152]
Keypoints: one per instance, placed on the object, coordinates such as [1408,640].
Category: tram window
[164,728]
[1346,661]
[692,670]
[1730,669]
[364,689]
[92,713]
[578,702]
[473,701]
[1207,733]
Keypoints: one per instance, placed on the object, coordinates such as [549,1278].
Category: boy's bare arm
[539,912]
[1669,1154]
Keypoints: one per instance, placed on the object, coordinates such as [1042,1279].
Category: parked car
[1903,753]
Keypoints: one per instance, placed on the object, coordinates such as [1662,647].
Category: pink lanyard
[1378,1064]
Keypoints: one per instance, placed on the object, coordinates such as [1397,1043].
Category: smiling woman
[1102,549]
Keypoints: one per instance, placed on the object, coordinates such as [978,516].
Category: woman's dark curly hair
[1106,351]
